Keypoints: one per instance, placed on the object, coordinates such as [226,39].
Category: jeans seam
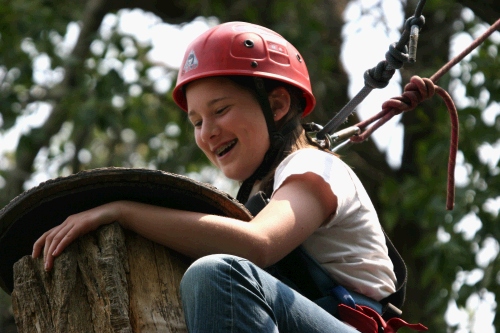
[231,293]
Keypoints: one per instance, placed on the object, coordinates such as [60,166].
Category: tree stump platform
[111,280]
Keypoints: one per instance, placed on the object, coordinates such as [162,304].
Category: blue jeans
[225,293]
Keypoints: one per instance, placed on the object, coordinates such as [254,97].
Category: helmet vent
[254,64]
[248,43]
[299,58]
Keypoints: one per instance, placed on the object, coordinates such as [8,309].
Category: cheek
[264,147]
[197,139]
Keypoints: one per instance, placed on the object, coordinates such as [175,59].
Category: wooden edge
[37,210]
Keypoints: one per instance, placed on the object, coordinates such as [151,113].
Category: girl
[245,89]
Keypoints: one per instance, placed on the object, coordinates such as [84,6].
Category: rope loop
[395,57]
[412,20]
[416,91]
[379,76]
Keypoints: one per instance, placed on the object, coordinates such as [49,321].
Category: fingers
[58,238]
[53,242]
[56,242]
[37,247]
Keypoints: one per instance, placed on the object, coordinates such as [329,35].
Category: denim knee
[205,271]
[204,267]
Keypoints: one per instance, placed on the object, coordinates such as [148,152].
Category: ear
[279,99]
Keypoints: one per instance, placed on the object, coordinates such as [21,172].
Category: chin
[236,176]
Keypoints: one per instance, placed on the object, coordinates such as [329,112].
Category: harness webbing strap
[276,141]
[276,137]
[398,297]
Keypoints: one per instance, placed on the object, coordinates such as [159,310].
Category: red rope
[450,198]
[466,51]
[418,90]
[414,93]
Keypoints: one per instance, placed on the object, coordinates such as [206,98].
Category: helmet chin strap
[277,140]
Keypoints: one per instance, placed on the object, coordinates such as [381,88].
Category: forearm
[191,233]
[281,226]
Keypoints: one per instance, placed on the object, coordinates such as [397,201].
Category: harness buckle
[343,296]
[390,311]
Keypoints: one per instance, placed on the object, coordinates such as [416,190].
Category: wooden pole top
[37,210]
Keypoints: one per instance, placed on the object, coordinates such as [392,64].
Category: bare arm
[298,208]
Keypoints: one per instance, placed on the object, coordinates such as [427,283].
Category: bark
[110,280]
[487,10]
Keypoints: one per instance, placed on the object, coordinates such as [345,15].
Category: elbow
[264,254]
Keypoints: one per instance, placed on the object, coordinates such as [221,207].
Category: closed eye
[197,123]
[221,110]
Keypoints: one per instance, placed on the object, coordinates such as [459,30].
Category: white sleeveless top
[351,245]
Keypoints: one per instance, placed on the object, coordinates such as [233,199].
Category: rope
[417,91]
[466,51]
[380,75]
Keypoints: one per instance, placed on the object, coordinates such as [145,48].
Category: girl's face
[229,125]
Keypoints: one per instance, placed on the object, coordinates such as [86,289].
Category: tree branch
[30,144]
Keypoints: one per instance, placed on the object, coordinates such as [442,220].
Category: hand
[58,238]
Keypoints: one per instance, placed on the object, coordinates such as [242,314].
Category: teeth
[221,150]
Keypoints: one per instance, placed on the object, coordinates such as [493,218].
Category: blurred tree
[445,264]
[106,104]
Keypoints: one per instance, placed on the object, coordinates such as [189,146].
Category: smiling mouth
[223,150]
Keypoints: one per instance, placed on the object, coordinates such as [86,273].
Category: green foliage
[111,119]
[103,107]
[444,245]
[27,29]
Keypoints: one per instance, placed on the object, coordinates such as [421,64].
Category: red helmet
[239,48]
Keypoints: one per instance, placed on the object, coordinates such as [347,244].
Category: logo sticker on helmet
[191,62]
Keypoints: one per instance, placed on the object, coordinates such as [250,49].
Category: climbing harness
[304,274]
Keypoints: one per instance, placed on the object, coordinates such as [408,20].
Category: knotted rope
[414,93]
[418,90]
[379,76]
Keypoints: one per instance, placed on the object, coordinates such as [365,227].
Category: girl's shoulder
[312,157]
[327,165]
[310,152]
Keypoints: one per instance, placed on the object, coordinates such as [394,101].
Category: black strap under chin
[262,170]
[275,137]
[263,100]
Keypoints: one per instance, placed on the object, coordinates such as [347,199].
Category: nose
[209,130]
